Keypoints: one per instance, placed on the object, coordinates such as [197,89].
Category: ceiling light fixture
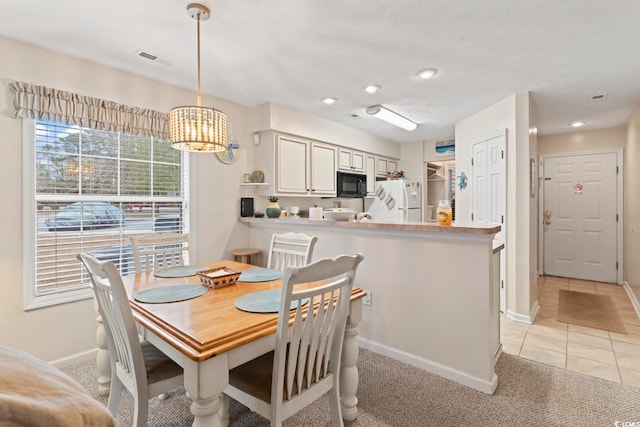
[198,128]
[330,100]
[577,124]
[428,73]
[391,117]
[372,88]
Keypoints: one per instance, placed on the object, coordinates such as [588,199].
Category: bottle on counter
[444,212]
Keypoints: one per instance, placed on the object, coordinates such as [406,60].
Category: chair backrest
[308,351]
[159,250]
[125,351]
[290,250]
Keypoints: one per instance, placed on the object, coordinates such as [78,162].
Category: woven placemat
[260,275]
[170,293]
[585,309]
[263,302]
[179,271]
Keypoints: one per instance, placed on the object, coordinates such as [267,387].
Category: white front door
[580,216]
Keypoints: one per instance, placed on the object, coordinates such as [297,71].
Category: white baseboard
[488,387]
[524,318]
[74,359]
[632,296]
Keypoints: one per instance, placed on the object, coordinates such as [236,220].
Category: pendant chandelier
[198,128]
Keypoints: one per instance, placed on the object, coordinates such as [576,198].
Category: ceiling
[297,52]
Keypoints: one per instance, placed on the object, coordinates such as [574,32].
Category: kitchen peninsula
[434,290]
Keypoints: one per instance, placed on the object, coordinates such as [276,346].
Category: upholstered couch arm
[35,393]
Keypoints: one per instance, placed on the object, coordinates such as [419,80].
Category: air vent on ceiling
[153,57]
[599,97]
[148,56]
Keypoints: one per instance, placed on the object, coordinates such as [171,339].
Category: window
[88,191]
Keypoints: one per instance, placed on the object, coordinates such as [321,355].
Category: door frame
[620,205]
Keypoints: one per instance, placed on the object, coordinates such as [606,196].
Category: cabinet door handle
[313,190]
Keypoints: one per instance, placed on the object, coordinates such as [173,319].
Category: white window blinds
[93,190]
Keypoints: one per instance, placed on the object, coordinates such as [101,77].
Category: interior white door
[580,216]
[488,195]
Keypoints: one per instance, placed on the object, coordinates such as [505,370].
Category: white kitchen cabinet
[381,166]
[304,167]
[323,169]
[370,170]
[392,166]
[350,160]
[292,167]
[385,166]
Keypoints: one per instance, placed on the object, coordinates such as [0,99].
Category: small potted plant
[273,208]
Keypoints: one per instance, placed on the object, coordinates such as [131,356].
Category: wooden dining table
[207,336]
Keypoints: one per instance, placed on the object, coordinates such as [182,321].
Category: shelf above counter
[252,189]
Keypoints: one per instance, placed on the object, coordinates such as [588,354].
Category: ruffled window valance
[40,102]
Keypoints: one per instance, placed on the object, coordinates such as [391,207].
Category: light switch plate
[368,299]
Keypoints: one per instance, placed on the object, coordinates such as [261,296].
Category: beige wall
[60,331]
[587,140]
[516,115]
[632,203]
[528,131]
[411,163]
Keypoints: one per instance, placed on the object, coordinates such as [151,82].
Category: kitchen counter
[434,290]
[428,227]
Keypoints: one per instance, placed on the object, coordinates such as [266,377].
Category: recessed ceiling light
[577,124]
[427,73]
[372,88]
[330,100]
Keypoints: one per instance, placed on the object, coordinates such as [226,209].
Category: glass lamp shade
[193,128]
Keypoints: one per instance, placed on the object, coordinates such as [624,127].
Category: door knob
[547,217]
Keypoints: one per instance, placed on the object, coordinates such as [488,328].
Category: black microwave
[351,185]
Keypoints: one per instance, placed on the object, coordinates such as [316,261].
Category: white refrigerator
[397,200]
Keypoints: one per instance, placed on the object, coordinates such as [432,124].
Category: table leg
[205,381]
[348,368]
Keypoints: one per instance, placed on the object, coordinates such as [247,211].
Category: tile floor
[596,352]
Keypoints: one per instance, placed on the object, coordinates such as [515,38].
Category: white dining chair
[290,250]
[138,366]
[306,361]
[159,250]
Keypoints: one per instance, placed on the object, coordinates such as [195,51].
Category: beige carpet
[585,309]
[394,394]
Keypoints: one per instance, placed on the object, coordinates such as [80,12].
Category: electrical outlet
[368,299]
